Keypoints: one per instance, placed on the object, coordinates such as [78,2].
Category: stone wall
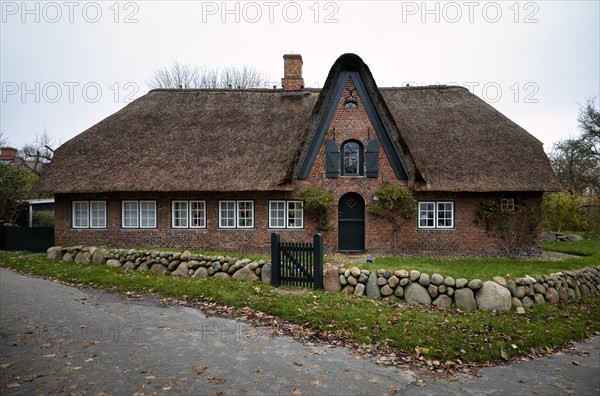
[412,286]
[444,291]
[184,264]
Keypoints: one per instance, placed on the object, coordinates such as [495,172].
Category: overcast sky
[67,65]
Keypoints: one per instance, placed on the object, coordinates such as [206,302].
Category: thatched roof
[255,140]
[187,140]
[460,143]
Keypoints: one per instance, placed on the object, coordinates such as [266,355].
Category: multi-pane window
[89,214]
[245,213]
[352,159]
[436,215]
[227,214]
[507,203]
[189,214]
[236,214]
[98,214]
[139,214]
[286,214]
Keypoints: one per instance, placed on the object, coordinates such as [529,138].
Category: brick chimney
[292,73]
[8,154]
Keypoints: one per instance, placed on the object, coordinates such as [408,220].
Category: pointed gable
[351,88]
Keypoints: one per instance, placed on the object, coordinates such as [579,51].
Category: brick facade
[464,239]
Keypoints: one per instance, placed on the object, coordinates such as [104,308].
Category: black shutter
[372,159]
[333,158]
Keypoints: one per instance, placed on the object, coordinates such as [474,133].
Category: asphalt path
[57,339]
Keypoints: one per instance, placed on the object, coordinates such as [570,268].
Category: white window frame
[203,218]
[237,211]
[85,214]
[190,208]
[140,220]
[439,207]
[507,203]
[227,218]
[288,207]
[149,221]
[100,221]
[274,220]
[239,216]
[176,212]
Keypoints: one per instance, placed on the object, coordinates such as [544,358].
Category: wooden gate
[297,264]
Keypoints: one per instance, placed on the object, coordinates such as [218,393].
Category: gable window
[188,214]
[236,214]
[352,158]
[350,104]
[436,215]
[138,214]
[89,214]
[286,214]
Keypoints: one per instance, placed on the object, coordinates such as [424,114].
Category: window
[236,214]
[98,214]
[188,214]
[227,214]
[352,161]
[245,213]
[286,214]
[139,214]
[436,215]
[81,214]
[507,203]
[350,104]
[89,214]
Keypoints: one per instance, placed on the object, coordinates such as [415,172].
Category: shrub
[317,200]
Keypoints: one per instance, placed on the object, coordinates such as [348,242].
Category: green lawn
[472,336]
[588,252]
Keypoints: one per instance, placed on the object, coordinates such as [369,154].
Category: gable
[350,86]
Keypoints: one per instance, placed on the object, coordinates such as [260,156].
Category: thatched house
[222,169]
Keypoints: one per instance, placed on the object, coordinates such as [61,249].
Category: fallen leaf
[50,356]
[5,365]
[504,354]
[199,370]
[13,385]
[421,383]
[216,380]
[576,363]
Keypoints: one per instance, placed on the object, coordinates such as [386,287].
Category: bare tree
[589,124]
[36,155]
[3,139]
[179,76]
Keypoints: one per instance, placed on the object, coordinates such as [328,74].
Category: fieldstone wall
[184,264]
[412,286]
[444,291]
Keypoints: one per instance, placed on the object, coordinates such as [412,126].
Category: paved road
[57,339]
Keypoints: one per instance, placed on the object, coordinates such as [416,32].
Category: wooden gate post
[318,260]
[275,260]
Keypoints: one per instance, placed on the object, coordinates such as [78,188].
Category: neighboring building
[8,155]
[222,169]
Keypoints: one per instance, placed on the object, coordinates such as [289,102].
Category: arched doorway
[351,223]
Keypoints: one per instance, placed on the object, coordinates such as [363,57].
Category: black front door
[351,223]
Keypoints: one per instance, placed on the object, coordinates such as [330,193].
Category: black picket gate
[297,264]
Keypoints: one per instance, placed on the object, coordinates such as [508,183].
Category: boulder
[55,253]
[143,267]
[386,290]
[399,292]
[348,289]
[414,293]
[464,298]
[552,295]
[245,273]
[355,272]
[393,281]
[527,302]
[500,280]
[158,269]
[437,279]
[401,273]
[83,258]
[442,301]
[548,236]
[225,275]
[372,289]
[511,286]
[359,290]
[182,270]
[331,283]
[113,263]
[424,280]
[475,284]
[185,256]
[449,281]
[460,283]
[574,238]
[414,275]
[515,302]
[99,256]
[433,291]
[493,296]
[200,273]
